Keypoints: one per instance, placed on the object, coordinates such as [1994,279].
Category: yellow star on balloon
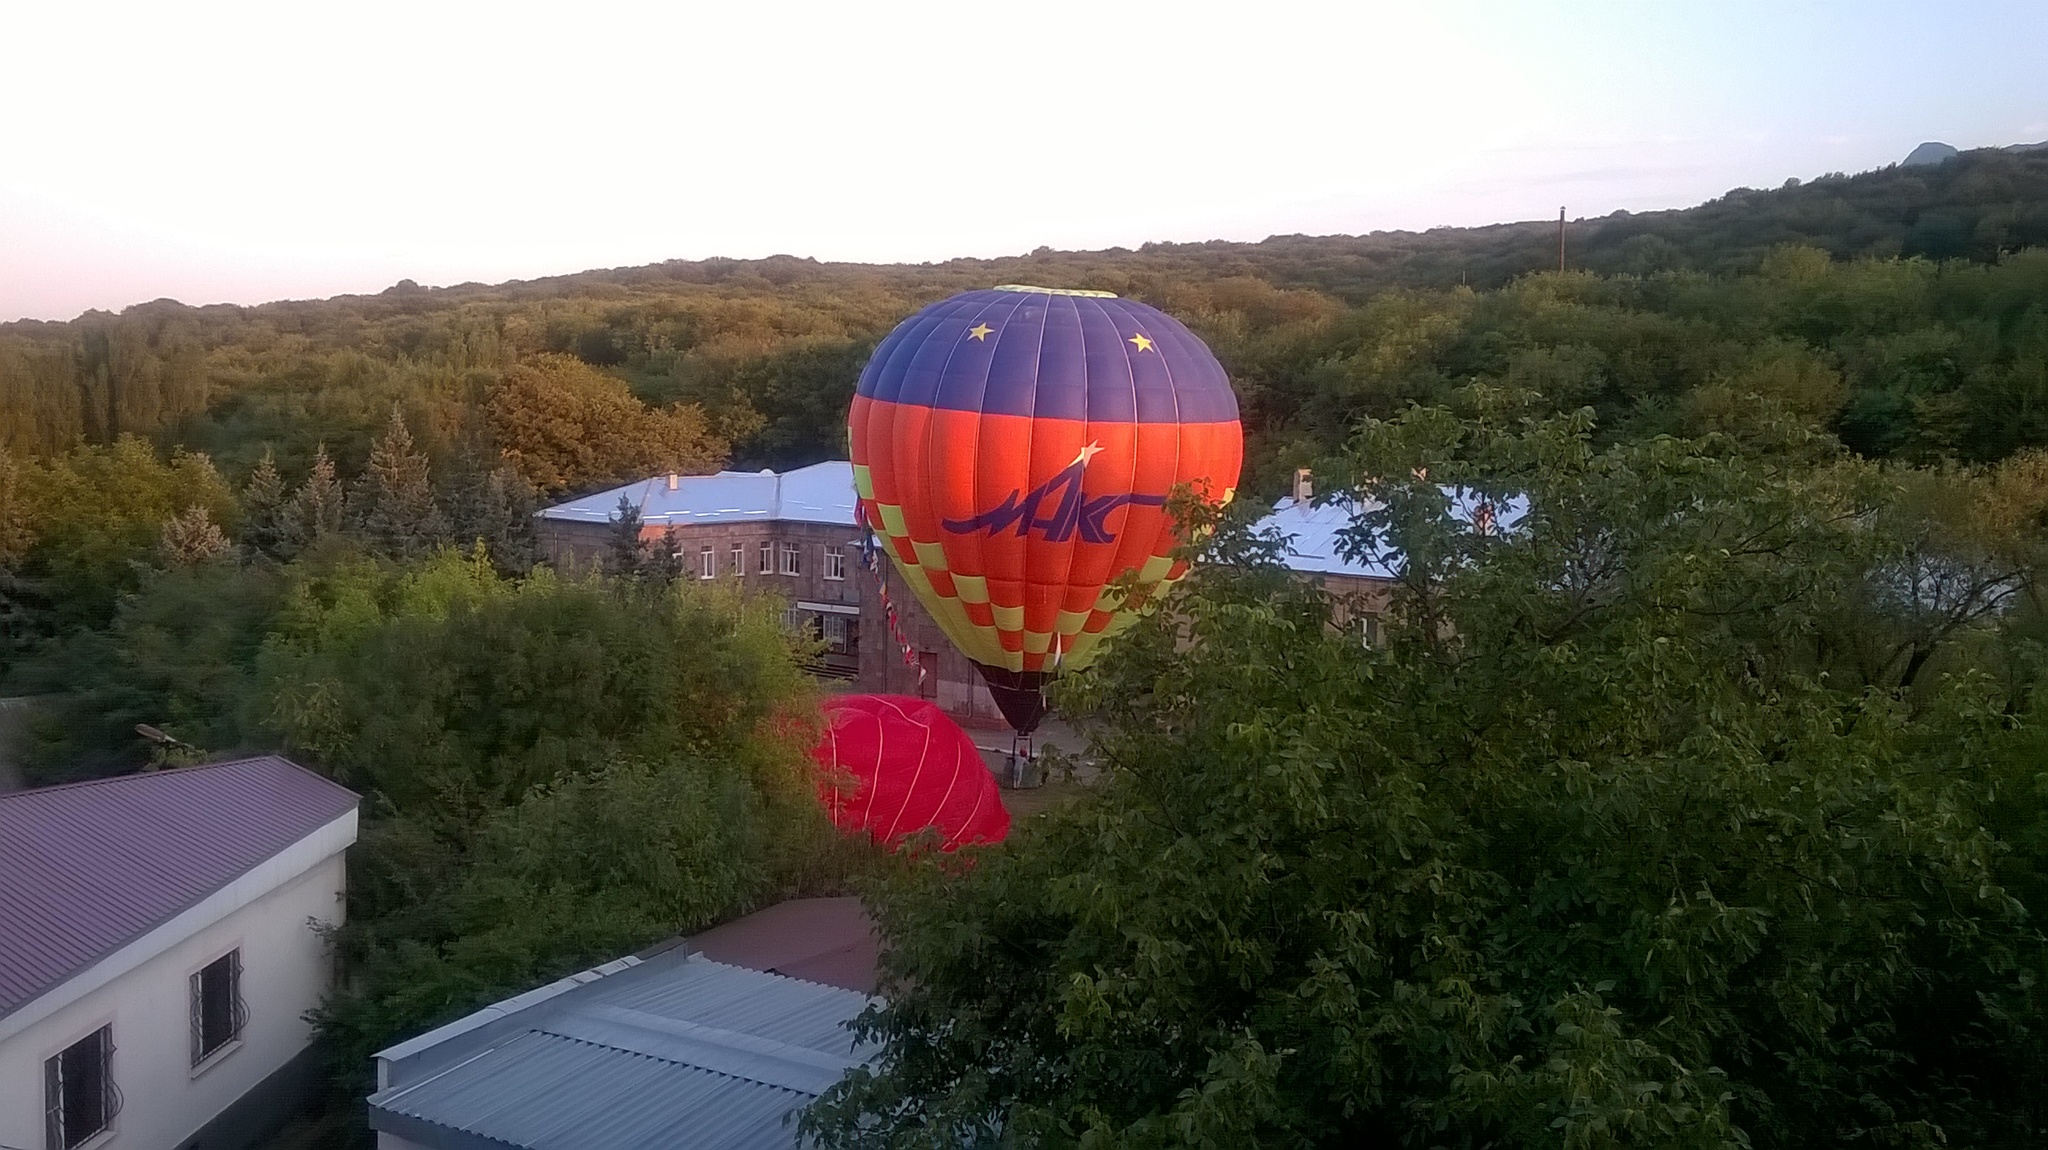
[979,332]
[1144,343]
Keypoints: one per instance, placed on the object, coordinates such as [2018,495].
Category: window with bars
[792,559]
[218,1012]
[707,563]
[739,559]
[79,1096]
[835,563]
[767,557]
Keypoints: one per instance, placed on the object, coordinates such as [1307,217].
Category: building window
[833,631]
[792,559]
[835,563]
[1369,628]
[707,563]
[739,560]
[79,1098]
[217,1009]
[767,558]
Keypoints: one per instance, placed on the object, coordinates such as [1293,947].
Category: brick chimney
[1304,485]
[674,481]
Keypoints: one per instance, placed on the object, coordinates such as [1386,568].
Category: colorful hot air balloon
[1015,449]
[899,765]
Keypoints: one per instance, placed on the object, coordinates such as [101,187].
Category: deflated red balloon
[893,766]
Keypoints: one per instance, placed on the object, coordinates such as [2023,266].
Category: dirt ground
[1031,801]
[1054,735]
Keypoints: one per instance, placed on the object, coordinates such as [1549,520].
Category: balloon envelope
[1014,448]
[896,765]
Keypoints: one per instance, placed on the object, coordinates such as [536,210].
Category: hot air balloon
[1014,448]
[897,765]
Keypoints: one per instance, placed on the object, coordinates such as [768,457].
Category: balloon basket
[1020,768]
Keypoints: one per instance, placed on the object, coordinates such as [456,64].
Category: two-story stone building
[792,534]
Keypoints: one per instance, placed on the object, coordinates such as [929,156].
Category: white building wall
[286,970]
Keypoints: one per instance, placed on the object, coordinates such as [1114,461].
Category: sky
[230,152]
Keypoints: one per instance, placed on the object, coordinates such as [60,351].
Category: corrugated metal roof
[674,1051]
[87,867]
[820,493]
[1313,530]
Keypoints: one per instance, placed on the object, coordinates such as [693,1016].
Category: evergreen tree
[627,552]
[484,500]
[663,562]
[394,498]
[192,537]
[315,511]
[263,504]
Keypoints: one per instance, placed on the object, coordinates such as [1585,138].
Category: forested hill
[1892,307]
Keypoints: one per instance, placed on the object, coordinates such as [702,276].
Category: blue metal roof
[820,493]
[675,1051]
[1313,532]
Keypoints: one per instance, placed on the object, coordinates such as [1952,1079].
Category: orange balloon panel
[1011,529]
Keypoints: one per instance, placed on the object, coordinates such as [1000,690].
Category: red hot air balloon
[1015,449]
[909,767]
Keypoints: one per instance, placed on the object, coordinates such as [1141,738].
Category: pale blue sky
[243,152]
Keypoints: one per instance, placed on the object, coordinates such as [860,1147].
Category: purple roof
[88,867]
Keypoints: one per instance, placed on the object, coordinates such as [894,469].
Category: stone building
[1361,586]
[791,534]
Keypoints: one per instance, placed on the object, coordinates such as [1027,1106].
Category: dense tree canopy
[1902,281]
[562,423]
[1615,840]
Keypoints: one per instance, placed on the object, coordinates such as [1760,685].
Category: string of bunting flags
[870,558]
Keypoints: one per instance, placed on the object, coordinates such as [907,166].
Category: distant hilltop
[1934,152]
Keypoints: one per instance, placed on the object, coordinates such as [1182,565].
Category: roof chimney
[1304,485]
[673,481]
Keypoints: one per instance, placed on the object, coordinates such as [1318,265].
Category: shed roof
[820,493]
[678,1050]
[87,867]
[828,940]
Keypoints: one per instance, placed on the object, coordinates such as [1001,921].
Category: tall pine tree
[315,510]
[484,500]
[394,498]
[627,551]
[263,506]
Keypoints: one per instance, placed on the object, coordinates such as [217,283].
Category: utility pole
[1560,237]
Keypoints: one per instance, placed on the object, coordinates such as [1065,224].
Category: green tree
[394,503]
[1591,852]
[448,688]
[192,537]
[93,520]
[264,502]
[317,509]
[564,771]
[564,424]
[486,501]
[179,654]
